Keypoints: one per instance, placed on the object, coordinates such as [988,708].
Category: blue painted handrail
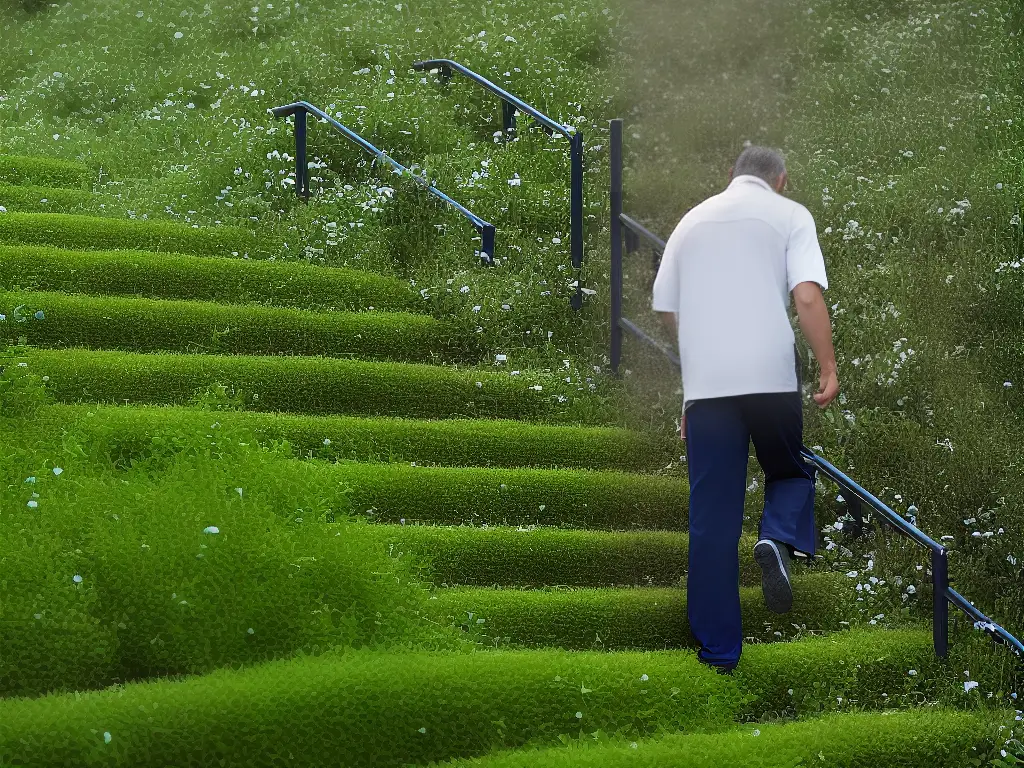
[301,108]
[627,235]
[510,104]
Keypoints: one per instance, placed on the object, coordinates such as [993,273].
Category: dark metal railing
[627,234]
[510,104]
[301,109]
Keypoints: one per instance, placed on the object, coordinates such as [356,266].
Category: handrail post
[616,227]
[301,166]
[487,235]
[940,590]
[576,214]
[855,510]
[508,119]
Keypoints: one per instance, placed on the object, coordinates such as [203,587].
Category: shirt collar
[748,179]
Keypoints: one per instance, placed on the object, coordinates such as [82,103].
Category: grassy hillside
[167,104]
[266,456]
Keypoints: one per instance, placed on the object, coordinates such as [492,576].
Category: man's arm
[817,328]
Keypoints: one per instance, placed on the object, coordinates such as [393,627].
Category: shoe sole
[778,592]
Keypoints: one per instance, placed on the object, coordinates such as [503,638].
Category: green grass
[26,199]
[124,434]
[453,496]
[111,577]
[177,276]
[924,739]
[395,709]
[56,320]
[539,557]
[624,619]
[892,116]
[44,172]
[89,232]
[307,385]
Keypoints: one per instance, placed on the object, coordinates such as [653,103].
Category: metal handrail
[301,108]
[625,228]
[510,103]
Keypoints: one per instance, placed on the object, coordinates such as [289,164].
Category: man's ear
[780,185]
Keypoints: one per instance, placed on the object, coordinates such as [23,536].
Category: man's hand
[817,328]
[828,388]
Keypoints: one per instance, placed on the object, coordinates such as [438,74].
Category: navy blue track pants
[718,436]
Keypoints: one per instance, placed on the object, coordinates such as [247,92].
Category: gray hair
[765,163]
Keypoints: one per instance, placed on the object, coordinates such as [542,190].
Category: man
[724,286]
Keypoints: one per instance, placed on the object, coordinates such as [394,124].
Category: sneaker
[773,558]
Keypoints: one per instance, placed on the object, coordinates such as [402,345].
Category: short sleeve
[666,284]
[804,260]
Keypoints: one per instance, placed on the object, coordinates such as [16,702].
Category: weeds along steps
[911,739]
[154,275]
[538,557]
[31,199]
[390,709]
[311,385]
[77,231]
[631,619]
[55,320]
[44,172]
[127,434]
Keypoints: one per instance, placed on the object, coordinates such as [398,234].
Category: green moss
[43,171]
[176,276]
[171,569]
[619,619]
[89,232]
[576,498]
[307,385]
[152,325]
[907,739]
[538,557]
[891,667]
[43,199]
[125,434]
[400,708]
[376,710]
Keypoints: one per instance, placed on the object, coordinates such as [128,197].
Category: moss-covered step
[227,280]
[317,386]
[917,739]
[543,557]
[646,618]
[127,433]
[31,199]
[59,320]
[392,493]
[43,171]
[387,709]
[75,231]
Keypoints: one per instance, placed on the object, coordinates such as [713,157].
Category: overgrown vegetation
[161,541]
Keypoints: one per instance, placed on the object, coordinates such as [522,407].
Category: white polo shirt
[727,273]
